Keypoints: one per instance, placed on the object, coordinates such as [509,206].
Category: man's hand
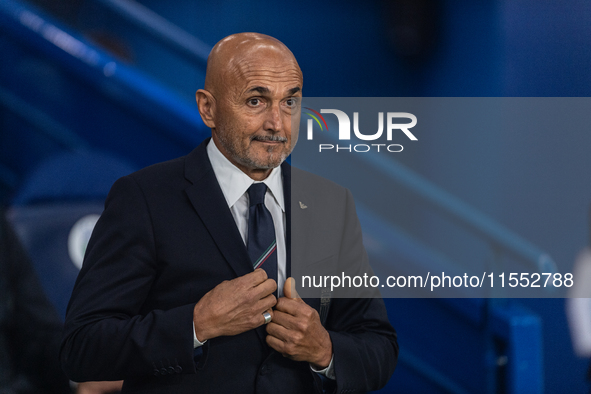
[296,330]
[234,306]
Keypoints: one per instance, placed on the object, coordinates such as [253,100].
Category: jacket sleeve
[364,342]
[108,334]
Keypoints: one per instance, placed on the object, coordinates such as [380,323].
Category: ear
[206,107]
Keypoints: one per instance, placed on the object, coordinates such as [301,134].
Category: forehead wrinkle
[259,72]
[247,69]
[254,75]
[270,75]
[266,81]
[267,85]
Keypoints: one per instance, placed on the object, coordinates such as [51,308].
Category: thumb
[289,289]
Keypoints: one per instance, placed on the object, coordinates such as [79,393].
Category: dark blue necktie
[262,245]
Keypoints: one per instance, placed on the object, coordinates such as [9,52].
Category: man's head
[252,86]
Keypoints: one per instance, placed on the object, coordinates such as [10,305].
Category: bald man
[172,298]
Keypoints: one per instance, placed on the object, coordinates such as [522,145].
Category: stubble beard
[241,156]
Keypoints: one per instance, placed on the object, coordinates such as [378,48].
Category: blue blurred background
[107,86]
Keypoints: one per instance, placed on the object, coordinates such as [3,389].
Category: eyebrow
[264,90]
[260,89]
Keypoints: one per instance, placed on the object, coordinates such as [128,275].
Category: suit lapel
[287,182]
[207,198]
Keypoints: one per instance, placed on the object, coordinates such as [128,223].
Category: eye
[255,101]
[292,102]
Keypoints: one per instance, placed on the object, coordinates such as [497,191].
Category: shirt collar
[234,183]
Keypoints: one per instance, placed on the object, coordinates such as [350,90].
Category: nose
[274,119]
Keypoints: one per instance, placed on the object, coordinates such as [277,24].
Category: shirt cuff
[328,371]
[197,342]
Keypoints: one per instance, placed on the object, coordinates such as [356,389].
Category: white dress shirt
[234,184]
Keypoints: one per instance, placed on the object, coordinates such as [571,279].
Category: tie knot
[256,193]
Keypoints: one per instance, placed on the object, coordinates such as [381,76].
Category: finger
[276,344]
[256,277]
[291,306]
[266,303]
[271,312]
[264,306]
[263,289]
[289,288]
[285,320]
[278,331]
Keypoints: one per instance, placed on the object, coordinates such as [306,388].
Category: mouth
[270,140]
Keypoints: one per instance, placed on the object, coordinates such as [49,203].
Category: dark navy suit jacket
[167,237]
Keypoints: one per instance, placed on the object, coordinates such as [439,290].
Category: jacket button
[163,371]
[171,370]
[156,372]
[178,369]
[264,370]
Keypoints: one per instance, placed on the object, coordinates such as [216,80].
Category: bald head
[234,56]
